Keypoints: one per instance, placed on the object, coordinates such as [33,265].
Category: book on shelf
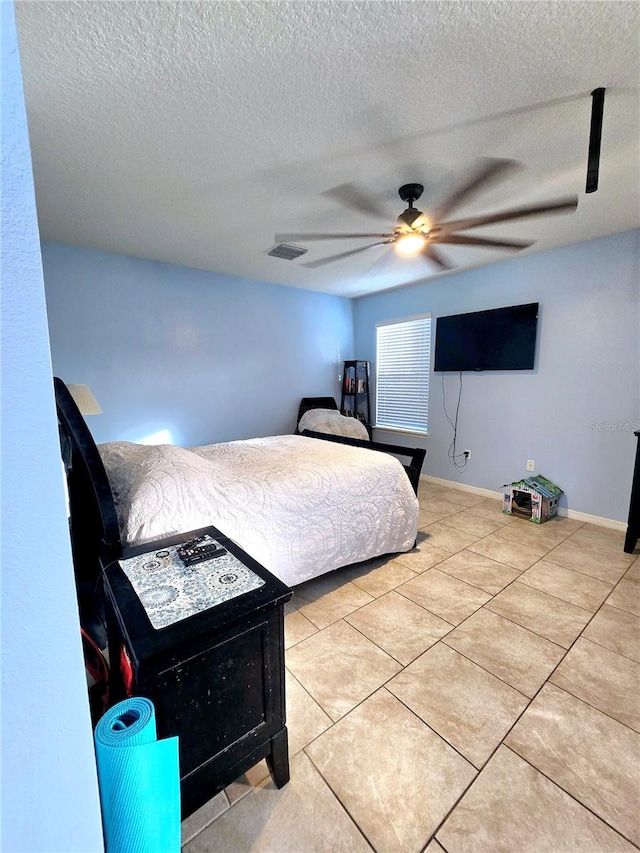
[353,386]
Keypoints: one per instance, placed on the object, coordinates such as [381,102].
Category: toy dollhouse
[534,498]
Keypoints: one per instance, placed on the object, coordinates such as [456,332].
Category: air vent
[287,251]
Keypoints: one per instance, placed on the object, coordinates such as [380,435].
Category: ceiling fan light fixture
[410,244]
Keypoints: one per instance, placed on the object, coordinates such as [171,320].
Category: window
[403,356]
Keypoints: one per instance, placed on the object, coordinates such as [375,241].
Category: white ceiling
[192,132]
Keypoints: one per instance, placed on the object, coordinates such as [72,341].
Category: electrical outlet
[467,454]
[531,465]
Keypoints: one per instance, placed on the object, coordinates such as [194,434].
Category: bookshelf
[356,399]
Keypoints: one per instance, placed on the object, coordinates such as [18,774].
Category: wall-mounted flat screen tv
[499,339]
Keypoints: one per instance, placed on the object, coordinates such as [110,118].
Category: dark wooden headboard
[95,533]
[308,403]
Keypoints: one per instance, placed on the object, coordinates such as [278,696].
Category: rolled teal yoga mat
[139,781]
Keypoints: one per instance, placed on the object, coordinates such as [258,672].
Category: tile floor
[480,693]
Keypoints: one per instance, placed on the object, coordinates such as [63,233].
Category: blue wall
[574,414]
[49,785]
[212,358]
[207,357]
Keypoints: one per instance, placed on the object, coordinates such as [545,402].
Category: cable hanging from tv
[458,460]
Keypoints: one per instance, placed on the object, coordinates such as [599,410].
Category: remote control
[192,552]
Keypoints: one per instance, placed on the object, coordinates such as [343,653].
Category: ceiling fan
[418,233]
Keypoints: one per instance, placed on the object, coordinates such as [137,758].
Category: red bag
[97,671]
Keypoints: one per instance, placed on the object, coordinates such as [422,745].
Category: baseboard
[575,514]
[611,523]
[463,487]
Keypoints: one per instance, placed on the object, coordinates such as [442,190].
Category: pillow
[332,422]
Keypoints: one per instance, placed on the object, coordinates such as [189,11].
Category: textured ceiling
[192,132]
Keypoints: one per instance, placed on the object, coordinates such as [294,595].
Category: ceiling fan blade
[430,253]
[464,240]
[350,196]
[381,263]
[283,238]
[562,206]
[322,261]
[487,172]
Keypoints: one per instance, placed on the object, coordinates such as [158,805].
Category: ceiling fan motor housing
[410,193]
[409,216]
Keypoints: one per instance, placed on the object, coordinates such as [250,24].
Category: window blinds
[402,373]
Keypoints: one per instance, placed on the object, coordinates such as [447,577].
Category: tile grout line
[483,668]
[502,742]
[315,701]
[566,652]
[404,667]
[492,596]
[453,628]
[338,800]
[512,542]
[187,841]
[384,685]
[549,779]
[435,731]
[568,793]
[608,648]
[617,607]
[551,595]
[529,702]
[549,559]
[547,680]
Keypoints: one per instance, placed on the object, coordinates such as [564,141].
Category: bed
[301,505]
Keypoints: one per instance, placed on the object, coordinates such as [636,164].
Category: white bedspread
[300,506]
[331,421]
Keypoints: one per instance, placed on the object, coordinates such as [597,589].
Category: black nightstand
[216,678]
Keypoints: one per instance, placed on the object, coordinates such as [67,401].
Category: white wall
[575,413]
[49,784]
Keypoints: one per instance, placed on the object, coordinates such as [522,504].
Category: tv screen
[500,339]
